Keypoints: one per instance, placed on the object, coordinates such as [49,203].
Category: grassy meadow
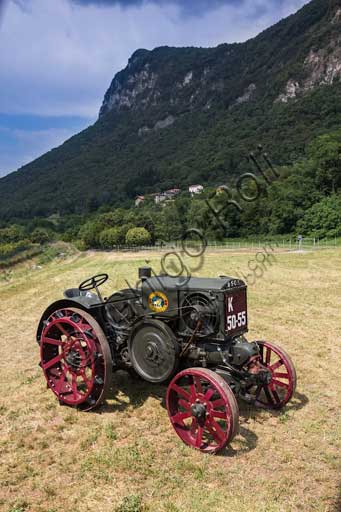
[125,457]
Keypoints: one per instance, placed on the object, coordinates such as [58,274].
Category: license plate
[236,312]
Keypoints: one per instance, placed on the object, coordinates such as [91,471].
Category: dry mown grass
[126,457]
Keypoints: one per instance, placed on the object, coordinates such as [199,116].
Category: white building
[172,193]
[139,200]
[159,198]
[195,189]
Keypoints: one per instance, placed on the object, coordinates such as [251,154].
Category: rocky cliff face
[192,79]
[161,78]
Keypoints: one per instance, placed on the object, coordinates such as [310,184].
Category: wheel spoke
[180,391]
[87,381]
[184,404]
[60,382]
[209,393]
[268,395]
[86,360]
[268,356]
[62,330]
[281,375]
[193,392]
[52,341]
[276,365]
[261,352]
[198,441]
[179,417]
[198,385]
[194,426]
[216,430]
[218,414]
[53,361]
[280,384]
[218,403]
[276,397]
[74,386]
[213,433]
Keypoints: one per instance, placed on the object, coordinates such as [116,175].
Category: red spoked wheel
[202,409]
[282,382]
[76,358]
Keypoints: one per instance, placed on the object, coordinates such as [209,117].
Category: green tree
[168,225]
[325,151]
[109,238]
[90,233]
[113,218]
[137,237]
[11,234]
[323,219]
[40,236]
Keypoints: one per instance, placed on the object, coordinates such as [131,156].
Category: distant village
[168,195]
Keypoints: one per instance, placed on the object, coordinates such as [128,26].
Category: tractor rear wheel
[202,409]
[76,358]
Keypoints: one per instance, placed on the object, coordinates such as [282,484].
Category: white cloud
[58,58]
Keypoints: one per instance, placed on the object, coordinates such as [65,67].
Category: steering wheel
[93,282]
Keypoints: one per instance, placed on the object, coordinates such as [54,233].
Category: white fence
[291,244]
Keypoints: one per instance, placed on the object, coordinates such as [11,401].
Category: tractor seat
[71,293]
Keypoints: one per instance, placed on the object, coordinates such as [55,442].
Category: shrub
[323,219]
[90,233]
[9,250]
[40,236]
[11,234]
[137,237]
[109,238]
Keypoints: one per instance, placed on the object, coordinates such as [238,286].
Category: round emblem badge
[158,302]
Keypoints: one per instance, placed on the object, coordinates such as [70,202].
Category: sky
[58,57]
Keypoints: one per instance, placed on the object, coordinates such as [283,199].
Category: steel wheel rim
[202,409]
[281,388]
[75,358]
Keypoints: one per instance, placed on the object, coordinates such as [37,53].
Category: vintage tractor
[187,332]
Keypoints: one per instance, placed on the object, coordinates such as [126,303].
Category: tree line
[304,198]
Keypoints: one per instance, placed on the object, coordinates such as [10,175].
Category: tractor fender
[67,303]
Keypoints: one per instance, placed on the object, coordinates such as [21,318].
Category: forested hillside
[182,116]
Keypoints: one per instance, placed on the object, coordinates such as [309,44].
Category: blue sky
[59,56]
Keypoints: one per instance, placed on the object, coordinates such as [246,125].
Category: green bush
[322,220]
[40,236]
[9,250]
[110,238]
[90,233]
[137,237]
[11,234]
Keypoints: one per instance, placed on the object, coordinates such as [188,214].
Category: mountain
[179,116]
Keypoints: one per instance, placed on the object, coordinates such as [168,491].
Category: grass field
[125,457]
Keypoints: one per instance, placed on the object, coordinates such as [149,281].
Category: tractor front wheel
[76,358]
[202,409]
[276,393]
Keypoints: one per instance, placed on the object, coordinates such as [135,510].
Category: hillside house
[139,200]
[159,198]
[172,193]
[195,189]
